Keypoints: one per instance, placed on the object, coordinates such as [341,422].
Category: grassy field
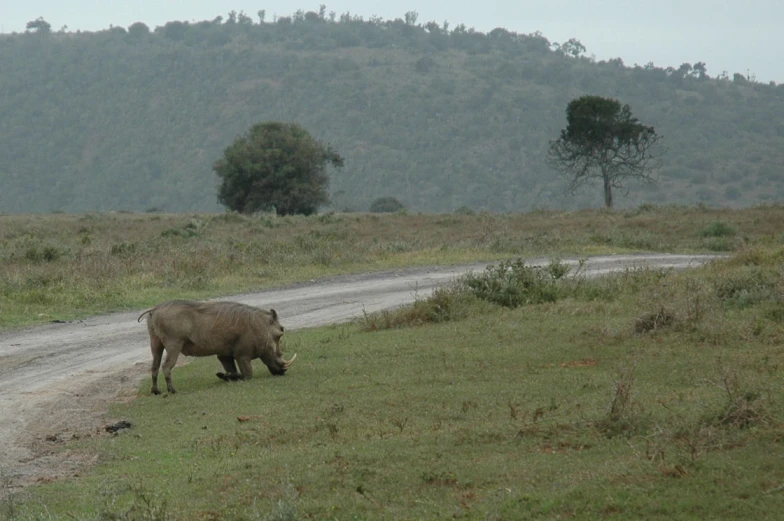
[60,267]
[645,395]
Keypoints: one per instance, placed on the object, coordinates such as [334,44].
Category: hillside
[439,117]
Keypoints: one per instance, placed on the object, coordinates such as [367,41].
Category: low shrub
[513,283]
[718,229]
[386,205]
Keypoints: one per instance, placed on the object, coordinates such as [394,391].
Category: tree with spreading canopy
[39,25]
[602,140]
[275,166]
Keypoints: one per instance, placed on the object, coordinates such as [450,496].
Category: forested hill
[440,117]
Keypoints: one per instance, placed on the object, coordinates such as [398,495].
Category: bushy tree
[602,140]
[573,47]
[138,29]
[39,25]
[275,166]
[175,30]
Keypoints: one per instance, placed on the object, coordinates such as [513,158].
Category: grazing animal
[230,330]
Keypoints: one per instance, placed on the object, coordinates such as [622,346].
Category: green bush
[123,248]
[43,254]
[718,229]
[513,283]
[386,205]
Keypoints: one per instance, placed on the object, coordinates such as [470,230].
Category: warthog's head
[277,364]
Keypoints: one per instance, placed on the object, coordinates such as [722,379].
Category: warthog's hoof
[228,377]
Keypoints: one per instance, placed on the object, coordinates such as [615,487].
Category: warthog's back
[213,328]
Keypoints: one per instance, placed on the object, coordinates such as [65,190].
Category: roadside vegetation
[514,393]
[62,267]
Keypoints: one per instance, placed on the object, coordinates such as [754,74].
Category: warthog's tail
[149,311]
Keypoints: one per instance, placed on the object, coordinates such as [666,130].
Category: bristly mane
[233,314]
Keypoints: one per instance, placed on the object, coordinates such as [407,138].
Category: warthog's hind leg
[231,373]
[173,350]
[156,346]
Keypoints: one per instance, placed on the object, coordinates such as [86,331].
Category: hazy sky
[727,35]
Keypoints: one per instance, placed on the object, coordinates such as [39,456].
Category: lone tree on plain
[39,25]
[602,140]
[275,166]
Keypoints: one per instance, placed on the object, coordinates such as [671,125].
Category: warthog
[230,330]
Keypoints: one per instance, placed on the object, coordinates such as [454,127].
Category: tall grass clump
[445,304]
[625,416]
[746,406]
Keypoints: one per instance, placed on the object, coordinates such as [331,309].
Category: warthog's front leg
[231,373]
[245,368]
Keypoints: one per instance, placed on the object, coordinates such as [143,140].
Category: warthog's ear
[274,314]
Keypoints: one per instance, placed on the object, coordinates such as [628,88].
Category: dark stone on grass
[120,425]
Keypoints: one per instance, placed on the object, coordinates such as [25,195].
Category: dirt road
[56,380]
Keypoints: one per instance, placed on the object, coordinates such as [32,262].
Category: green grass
[70,266]
[578,407]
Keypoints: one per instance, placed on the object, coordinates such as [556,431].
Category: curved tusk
[288,363]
